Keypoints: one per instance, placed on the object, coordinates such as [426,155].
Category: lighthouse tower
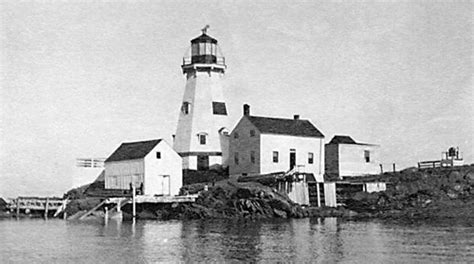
[202,137]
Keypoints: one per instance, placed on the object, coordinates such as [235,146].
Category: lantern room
[204,49]
[204,54]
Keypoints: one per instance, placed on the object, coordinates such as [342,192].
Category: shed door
[162,185]
[166,185]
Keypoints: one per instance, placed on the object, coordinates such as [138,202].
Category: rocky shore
[248,200]
[412,195]
[439,195]
[224,200]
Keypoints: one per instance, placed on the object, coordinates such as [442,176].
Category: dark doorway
[292,159]
[203,162]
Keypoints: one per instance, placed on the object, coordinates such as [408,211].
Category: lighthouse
[202,135]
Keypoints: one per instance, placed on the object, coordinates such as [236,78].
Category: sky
[79,78]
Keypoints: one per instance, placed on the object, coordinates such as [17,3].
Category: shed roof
[337,139]
[342,140]
[282,126]
[133,150]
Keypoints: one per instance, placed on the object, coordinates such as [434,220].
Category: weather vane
[204,30]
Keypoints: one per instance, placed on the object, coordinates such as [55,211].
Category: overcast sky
[77,79]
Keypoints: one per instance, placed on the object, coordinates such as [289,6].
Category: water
[296,241]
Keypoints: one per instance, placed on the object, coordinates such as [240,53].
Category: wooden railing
[429,164]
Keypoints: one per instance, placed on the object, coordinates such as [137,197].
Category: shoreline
[433,195]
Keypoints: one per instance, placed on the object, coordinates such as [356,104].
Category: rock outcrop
[433,194]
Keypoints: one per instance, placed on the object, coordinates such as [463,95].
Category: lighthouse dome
[204,38]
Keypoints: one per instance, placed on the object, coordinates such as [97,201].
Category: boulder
[280,213]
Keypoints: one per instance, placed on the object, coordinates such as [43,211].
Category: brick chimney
[246,110]
[296,117]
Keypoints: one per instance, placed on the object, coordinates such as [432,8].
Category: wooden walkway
[118,202]
[38,204]
[154,199]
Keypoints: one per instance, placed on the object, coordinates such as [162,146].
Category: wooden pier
[153,199]
[113,205]
[42,205]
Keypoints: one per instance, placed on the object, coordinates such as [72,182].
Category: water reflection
[299,240]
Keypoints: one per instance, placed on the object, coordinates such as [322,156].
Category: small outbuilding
[347,158]
[153,166]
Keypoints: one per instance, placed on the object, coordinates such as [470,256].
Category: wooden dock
[154,199]
[43,205]
[113,205]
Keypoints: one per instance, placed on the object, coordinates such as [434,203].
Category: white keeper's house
[153,166]
[347,158]
[261,145]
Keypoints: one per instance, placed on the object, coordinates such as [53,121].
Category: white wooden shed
[153,165]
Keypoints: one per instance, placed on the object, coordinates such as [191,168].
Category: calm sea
[297,241]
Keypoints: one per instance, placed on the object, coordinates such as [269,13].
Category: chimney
[246,110]
[296,117]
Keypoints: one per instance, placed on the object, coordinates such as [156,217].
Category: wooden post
[134,209]
[318,193]
[18,207]
[393,167]
[46,208]
[106,214]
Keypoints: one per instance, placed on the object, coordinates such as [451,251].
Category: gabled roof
[281,126]
[133,150]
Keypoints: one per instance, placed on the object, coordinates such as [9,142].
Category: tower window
[218,108]
[310,157]
[236,158]
[158,155]
[252,156]
[275,156]
[367,156]
[252,133]
[185,108]
[202,139]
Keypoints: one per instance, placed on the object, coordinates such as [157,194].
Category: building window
[310,158]
[252,156]
[185,108]
[367,156]
[158,155]
[202,139]
[236,135]
[275,156]
[236,158]
[252,133]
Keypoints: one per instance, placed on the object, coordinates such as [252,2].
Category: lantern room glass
[195,49]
